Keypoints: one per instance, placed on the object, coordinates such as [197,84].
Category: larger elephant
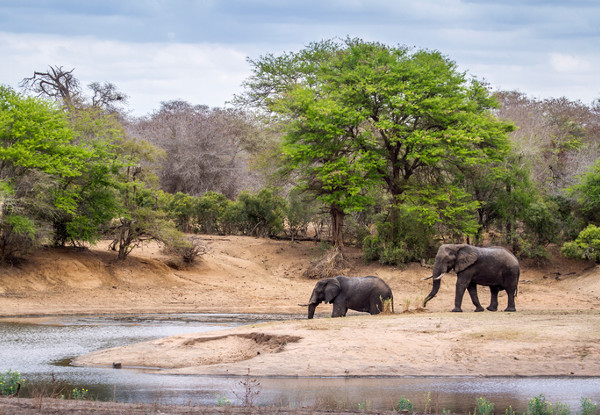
[495,267]
[365,294]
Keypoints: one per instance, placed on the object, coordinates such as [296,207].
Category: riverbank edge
[44,405]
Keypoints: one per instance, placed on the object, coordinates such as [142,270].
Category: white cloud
[564,63]
[148,72]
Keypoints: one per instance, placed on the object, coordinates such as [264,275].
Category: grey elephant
[494,267]
[356,293]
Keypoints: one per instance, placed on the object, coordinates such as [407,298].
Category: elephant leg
[458,296]
[472,288]
[493,299]
[511,299]
[375,306]
[339,310]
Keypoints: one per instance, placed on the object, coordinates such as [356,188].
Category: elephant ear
[332,289]
[465,258]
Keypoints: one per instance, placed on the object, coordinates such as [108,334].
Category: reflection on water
[42,351]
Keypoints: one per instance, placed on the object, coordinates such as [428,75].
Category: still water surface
[42,351]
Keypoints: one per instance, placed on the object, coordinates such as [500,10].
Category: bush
[484,407]
[262,213]
[409,240]
[586,246]
[588,407]
[539,406]
[17,237]
[403,405]
[211,213]
[9,381]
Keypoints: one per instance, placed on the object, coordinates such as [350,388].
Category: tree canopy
[362,114]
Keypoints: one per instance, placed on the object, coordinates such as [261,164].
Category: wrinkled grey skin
[494,267]
[355,293]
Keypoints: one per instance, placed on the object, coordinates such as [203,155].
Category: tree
[587,194]
[38,157]
[56,83]
[557,139]
[206,149]
[63,87]
[359,112]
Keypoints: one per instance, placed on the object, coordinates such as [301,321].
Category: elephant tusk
[303,305]
[427,278]
[439,277]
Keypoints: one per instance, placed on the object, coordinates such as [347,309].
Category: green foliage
[586,246]
[588,407]
[79,394]
[408,239]
[300,211]
[361,113]
[184,208]
[222,400]
[403,404]
[447,209]
[260,214]
[9,381]
[35,134]
[539,406]
[587,192]
[484,407]
[211,214]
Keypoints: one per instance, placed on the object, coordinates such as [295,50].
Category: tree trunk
[337,226]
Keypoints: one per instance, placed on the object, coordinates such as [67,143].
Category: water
[42,352]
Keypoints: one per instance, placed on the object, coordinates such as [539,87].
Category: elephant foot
[490,308]
[479,309]
[511,309]
[456,310]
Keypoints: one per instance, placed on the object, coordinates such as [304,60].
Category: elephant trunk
[434,290]
[311,310]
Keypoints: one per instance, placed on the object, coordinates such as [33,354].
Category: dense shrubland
[387,148]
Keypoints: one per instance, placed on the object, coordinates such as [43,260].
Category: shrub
[409,240]
[539,406]
[79,394]
[588,407]
[586,246]
[9,382]
[484,407]
[403,405]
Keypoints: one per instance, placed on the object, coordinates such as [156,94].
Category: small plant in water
[539,406]
[9,382]
[426,402]
[510,411]
[222,400]
[561,409]
[403,405]
[251,389]
[79,394]
[484,407]
[363,406]
[588,407]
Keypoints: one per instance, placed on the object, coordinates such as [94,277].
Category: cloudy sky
[196,50]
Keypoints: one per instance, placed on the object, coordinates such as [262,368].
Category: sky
[197,50]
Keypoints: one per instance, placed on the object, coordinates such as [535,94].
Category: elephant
[495,267]
[356,293]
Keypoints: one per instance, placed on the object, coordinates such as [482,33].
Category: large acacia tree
[361,113]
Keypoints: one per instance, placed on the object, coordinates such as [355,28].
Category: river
[42,352]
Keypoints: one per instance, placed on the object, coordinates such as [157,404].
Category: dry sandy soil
[556,330]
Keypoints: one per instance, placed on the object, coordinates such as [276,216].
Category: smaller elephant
[494,267]
[365,294]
